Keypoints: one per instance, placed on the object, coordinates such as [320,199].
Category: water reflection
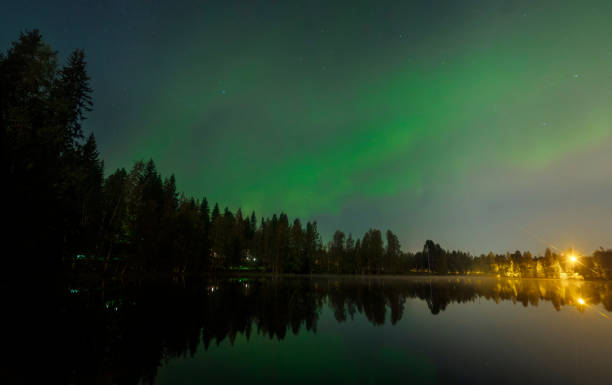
[121,333]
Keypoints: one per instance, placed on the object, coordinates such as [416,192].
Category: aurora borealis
[484,125]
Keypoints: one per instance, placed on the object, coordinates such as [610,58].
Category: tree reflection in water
[122,333]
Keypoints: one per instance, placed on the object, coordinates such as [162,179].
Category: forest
[64,213]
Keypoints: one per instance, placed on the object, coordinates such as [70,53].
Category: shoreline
[253,274]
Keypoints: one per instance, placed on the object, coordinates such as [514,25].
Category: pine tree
[393,253]
[204,213]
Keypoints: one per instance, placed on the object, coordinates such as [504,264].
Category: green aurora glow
[320,109]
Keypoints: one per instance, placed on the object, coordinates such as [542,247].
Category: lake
[364,330]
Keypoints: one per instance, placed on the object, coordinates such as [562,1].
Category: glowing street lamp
[580,301]
[573,258]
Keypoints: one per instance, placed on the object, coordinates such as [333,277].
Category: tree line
[142,223]
[62,209]
[63,213]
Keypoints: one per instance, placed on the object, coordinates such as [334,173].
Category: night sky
[484,125]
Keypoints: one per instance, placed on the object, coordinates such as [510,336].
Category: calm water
[337,330]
